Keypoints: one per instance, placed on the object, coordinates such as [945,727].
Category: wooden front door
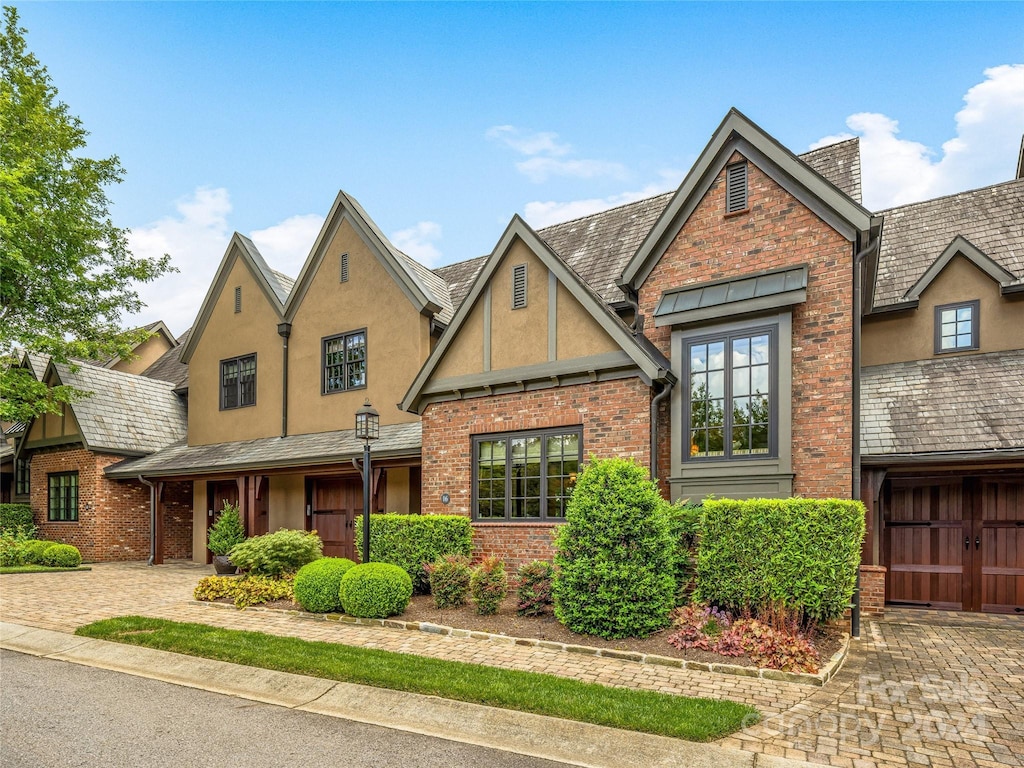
[955,543]
[336,501]
[217,493]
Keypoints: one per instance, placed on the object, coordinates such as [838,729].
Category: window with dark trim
[344,362]
[956,327]
[238,382]
[525,476]
[62,502]
[736,188]
[731,409]
[22,478]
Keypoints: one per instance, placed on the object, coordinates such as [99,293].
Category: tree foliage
[66,273]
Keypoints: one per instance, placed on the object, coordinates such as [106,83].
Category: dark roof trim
[155,329]
[243,248]
[739,133]
[653,369]
[343,458]
[960,246]
[346,208]
[729,297]
[939,457]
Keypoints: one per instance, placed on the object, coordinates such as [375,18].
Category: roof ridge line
[951,194]
[605,210]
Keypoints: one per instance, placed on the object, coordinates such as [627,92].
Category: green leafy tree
[66,273]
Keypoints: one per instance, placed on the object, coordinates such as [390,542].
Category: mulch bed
[828,639]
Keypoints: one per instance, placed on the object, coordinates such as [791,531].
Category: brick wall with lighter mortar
[615,418]
[113,516]
[777,231]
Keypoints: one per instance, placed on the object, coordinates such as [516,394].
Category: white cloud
[544,152]
[540,169]
[285,246]
[984,150]
[418,241]
[545,143]
[541,214]
[195,237]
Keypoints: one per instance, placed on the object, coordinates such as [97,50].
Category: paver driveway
[919,688]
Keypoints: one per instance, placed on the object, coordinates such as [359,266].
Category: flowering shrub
[707,628]
[489,585]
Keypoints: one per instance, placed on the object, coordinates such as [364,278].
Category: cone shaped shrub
[615,554]
[317,584]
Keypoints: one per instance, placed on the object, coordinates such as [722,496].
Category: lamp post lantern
[367,429]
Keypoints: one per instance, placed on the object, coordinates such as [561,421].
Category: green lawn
[39,569]
[659,713]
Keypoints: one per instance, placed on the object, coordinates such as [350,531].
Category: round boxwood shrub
[34,549]
[615,554]
[318,584]
[375,590]
[62,556]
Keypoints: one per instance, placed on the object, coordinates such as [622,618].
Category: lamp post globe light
[367,429]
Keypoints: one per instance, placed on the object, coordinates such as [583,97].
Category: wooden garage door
[956,543]
[1000,546]
[929,564]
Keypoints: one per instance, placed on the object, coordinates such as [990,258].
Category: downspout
[152,519]
[633,300]
[655,402]
[284,330]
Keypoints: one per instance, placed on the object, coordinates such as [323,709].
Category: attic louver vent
[518,286]
[238,298]
[344,267]
[736,188]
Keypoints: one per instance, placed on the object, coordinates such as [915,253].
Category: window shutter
[344,267]
[736,188]
[238,299]
[518,286]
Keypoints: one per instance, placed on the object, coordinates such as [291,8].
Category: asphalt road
[53,713]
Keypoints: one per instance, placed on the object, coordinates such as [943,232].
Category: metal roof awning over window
[738,296]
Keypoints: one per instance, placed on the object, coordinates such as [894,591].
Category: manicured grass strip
[647,711]
[39,569]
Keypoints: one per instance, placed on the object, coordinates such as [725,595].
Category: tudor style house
[756,332]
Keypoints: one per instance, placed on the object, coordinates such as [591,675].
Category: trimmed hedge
[800,554]
[15,517]
[34,549]
[61,556]
[615,554]
[273,554]
[375,590]
[318,584]
[412,541]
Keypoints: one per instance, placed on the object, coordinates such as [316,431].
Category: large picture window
[525,476]
[731,404]
[63,497]
[238,382]
[344,363]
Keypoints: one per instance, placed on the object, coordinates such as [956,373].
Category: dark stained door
[336,502]
[261,506]
[925,530]
[999,539]
[956,543]
[218,492]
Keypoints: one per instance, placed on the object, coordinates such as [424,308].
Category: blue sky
[445,119]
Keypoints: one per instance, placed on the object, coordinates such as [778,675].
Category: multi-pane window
[956,327]
[525,476]
[238,382]
[22,475]
[63,497]
[344,362]
[732,381]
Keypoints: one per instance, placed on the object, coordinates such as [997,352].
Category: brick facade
[872,590]
[113,516]
[777,231]
[615,416]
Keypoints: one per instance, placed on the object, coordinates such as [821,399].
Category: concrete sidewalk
[550,738]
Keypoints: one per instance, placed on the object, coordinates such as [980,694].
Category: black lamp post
[367,429]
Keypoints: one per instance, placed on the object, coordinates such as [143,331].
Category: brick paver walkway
[921,688]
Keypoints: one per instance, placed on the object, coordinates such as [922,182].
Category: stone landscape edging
[827,672]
